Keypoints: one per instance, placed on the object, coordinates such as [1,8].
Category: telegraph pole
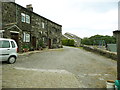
[117,35]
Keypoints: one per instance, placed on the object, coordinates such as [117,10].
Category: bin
[110,85]
[117,84]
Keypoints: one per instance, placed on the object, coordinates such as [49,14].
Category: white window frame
[43,39]
[43,25]
[22,17]
[28,19]
[26,37]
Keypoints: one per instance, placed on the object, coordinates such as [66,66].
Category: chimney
[29,7]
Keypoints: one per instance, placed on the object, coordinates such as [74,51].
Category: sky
[83,18]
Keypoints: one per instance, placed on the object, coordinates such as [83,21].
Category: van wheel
[11,60]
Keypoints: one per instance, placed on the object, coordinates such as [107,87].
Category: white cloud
[81,17]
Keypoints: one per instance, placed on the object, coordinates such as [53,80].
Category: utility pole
[117,35]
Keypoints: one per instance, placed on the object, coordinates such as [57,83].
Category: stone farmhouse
[74,37]
[29,29]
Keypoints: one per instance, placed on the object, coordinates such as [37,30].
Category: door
[15,36]
[49,43]
[34,42]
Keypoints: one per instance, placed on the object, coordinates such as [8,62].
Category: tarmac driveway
[87,70]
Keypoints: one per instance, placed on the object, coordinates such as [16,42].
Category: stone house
[29,29]
[76,39]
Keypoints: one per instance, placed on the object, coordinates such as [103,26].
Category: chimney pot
[29,7]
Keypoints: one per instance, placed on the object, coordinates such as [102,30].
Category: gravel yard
[60,68]
[34,78]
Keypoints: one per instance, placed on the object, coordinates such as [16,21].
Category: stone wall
[55,34]
[9,15]
[105,53]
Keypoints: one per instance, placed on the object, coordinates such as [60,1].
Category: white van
[8,50]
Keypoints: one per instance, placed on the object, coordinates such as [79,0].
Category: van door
[4,50]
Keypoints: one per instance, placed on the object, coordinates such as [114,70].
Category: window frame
[43,25]
[27,18]
[23,17]
[3,46]
[12,44]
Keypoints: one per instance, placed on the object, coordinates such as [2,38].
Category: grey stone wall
[23,25]
[55,34]
[105,53]
[9,14]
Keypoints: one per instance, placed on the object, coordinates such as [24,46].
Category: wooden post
[117,35]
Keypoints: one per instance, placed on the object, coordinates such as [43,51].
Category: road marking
[43,70]
[101,79]
[100,76]
[84,75]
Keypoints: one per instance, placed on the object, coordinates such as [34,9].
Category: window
[13,44]
[4,44]
[54,41]
[43,25]
[22,17]
[43,39]
[26,37]
[25,18]
[28,19]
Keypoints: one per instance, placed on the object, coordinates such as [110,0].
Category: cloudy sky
[84,18]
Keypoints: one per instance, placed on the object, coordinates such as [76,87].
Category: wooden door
[49,43]
[34,42]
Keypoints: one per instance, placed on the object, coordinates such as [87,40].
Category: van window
[13,44]
[4,44]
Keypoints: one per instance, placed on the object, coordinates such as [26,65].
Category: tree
[86,41]
[98,39]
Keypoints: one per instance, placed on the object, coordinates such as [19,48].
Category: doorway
[34,42]
[15,36]
[49,43]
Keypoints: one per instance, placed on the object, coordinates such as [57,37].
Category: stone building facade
[29,29]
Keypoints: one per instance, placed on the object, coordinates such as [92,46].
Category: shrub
[26,48]
[68,42]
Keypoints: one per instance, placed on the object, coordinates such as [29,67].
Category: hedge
[68,42]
